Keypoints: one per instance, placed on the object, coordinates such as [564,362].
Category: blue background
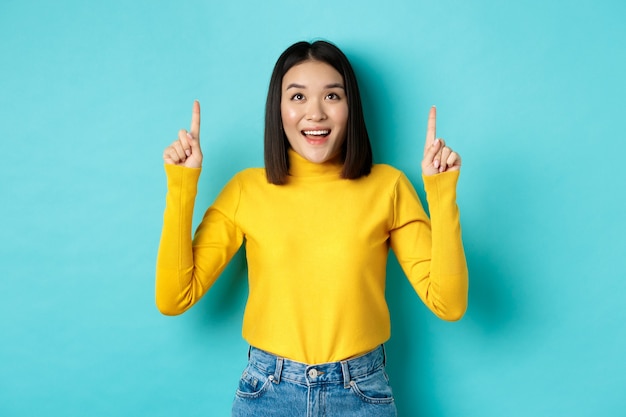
[531,93]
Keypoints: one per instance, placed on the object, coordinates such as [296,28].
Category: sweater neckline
[301,167]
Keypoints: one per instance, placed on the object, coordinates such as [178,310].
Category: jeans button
[313,373]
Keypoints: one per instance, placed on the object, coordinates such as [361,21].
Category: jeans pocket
[373,388]
[253,383]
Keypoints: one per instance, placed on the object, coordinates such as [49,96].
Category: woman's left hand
[437,156]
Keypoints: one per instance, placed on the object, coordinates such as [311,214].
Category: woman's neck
[301,167]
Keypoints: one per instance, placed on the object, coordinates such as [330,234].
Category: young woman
[318,222]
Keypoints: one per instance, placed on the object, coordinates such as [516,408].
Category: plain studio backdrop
[531,93]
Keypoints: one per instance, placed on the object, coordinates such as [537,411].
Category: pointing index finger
[195,120]
[431,130]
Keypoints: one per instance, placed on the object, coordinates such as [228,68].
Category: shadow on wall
[492,307]
[408,349]
[418,338]
[221,309]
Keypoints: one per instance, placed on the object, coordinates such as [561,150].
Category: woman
[318,223]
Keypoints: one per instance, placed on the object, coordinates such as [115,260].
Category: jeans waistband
[333,372]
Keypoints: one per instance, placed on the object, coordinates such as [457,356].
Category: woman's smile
[316,136]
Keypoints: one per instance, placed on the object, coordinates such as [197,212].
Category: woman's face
[314,110]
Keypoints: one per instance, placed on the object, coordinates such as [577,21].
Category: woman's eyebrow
[300,86]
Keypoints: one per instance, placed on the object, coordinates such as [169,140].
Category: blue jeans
[278,387]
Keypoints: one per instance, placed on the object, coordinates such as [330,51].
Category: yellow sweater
[317,249]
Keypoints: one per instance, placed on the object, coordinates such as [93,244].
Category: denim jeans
[278,387]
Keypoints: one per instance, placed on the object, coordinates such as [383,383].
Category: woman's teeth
[316,132]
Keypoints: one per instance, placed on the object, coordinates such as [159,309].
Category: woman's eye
[332,96]
[297,97]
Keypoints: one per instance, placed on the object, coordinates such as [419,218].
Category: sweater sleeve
[187,268]
[430,251]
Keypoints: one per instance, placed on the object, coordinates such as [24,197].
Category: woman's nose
[315,110]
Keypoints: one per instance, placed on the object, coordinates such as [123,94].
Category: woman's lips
[316,141]
[316,136]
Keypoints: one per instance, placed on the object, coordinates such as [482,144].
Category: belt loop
[384,355]
[279,369]
[345,370]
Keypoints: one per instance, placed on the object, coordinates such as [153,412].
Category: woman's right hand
[185,151]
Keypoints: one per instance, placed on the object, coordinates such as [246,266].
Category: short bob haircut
[356,151]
